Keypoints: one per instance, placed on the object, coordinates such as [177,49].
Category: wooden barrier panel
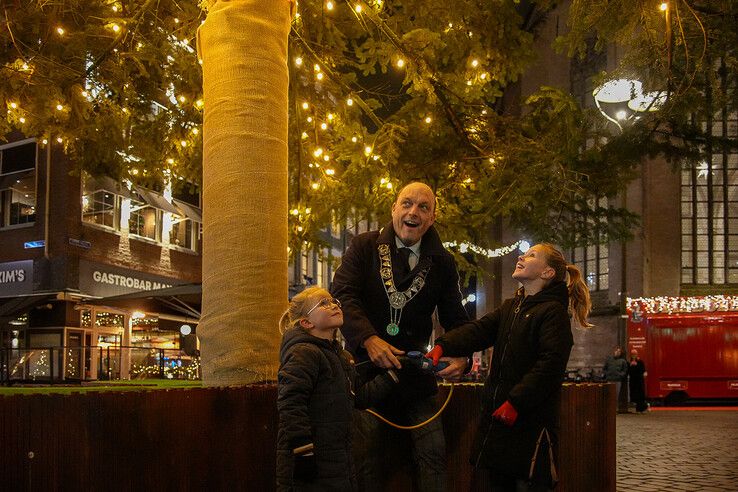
[224,439]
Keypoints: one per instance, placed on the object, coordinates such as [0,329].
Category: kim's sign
[16,277]
[101,280]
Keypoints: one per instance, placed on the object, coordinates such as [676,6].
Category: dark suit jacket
[366,310]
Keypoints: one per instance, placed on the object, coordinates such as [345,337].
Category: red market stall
[689,345]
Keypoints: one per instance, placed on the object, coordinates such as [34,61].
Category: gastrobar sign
[105,280]
[16,277]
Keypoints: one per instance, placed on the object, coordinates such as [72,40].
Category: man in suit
[389,283]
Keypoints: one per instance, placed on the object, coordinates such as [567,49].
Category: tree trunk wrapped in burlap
[243,46]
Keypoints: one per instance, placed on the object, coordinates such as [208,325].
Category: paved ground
[678,450]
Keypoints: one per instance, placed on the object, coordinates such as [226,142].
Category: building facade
[67,241]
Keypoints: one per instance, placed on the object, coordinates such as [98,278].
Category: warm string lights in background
[325,110]
[83,101]
[675,305]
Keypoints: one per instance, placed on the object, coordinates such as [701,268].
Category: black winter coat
[315,398]
[366,310]
[532,341]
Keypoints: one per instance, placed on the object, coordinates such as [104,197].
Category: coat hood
[296,335]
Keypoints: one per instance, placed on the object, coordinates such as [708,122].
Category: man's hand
[506,414]
[455,369]
[382,353]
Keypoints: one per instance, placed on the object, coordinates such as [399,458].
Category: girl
[531,335]
[316,395]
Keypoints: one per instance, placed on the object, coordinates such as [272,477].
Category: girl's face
[532,265]
[324,316]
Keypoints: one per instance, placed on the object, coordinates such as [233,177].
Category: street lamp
[621,100]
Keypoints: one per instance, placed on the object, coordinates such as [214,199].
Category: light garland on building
[674,305]
[489,253]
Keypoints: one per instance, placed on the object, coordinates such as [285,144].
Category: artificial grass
[121,385]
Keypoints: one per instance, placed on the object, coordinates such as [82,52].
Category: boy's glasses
[325,302]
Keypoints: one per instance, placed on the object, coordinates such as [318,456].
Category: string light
[305,105]
[329,5]
[319,76]
[400,63]
[349,102]
[59,107]
[298,61]
[475,63]
[428,119]
[60,31]
[358,9]
[675,305]
[323,126]
[14,105]
[664,6]
[489,253]
[315,186]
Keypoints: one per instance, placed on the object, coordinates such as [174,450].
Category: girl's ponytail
[579,299]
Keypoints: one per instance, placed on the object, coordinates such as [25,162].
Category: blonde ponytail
[580,302]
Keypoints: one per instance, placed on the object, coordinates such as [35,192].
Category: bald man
[389,283]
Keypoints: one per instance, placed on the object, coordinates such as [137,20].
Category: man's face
[413,213]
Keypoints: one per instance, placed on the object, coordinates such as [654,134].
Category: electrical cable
[416,426]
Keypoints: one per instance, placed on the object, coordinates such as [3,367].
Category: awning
[156,200]
[106,183]
[180,299]
[191,212]
[8,180]
[12,307]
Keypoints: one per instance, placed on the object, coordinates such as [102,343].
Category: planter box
[224,439]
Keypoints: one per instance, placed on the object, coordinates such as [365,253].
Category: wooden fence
[224,439]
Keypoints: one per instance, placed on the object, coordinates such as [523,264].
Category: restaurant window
[101,208]
[183,233]
[18,183]
[186,229]
[145,220]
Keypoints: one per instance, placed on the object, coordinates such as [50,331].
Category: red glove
[435,354]
[506,414]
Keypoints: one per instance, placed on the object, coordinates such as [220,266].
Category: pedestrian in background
[616,371]
[532,339]
[316,395]
[636,382]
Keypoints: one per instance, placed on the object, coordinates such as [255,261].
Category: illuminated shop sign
[105,280]
[16,277]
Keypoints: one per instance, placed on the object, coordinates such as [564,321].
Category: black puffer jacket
[315,400]
[532,340]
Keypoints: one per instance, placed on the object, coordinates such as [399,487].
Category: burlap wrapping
[243,45]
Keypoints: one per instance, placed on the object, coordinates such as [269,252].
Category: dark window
[17,158]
